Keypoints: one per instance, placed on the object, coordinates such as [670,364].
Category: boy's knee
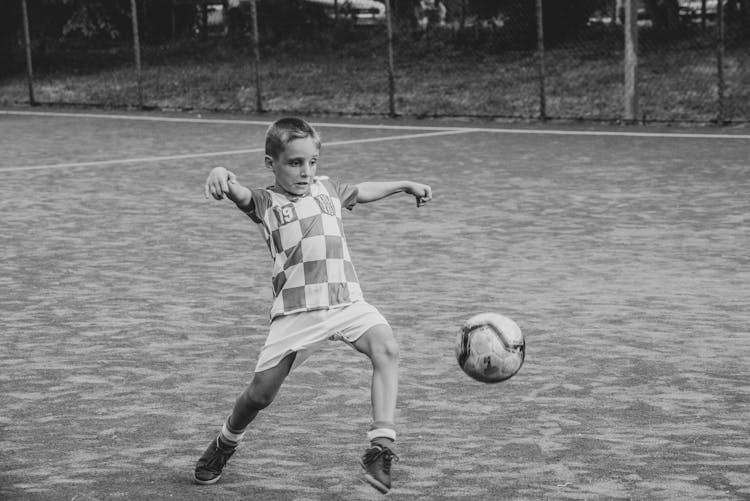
[386,347]
[253,399]
[390,348]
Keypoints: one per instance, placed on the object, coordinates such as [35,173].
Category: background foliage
[481,61]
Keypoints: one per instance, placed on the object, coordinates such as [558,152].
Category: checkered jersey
[312,269]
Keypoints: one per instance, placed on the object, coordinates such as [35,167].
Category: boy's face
[295,167]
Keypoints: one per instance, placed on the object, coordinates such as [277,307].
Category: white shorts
[305,332]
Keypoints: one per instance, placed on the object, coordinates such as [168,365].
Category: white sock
[388,433]
[231,437]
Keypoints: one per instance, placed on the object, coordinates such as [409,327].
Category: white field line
[559,132]
[102,163]
[165,158]
[404,136]
[147,118]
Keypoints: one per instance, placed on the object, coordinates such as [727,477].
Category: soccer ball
[490,347]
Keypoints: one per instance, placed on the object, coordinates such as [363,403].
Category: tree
[97,21]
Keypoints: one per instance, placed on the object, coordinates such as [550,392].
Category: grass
[583,81]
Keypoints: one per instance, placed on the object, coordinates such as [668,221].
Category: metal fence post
[137,51]
[256,56]
[540,51]
[630,96]
[721,84]
[27,43]
[391,76]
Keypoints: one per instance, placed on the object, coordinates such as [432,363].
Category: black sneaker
[209,466]
[377,464]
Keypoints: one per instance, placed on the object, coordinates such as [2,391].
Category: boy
[316,295]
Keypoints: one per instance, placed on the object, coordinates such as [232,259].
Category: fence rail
[616,66]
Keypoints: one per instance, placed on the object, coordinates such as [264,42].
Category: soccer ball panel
[490,347]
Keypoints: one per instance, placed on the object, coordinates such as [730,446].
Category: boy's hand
[217,183]
[422,192]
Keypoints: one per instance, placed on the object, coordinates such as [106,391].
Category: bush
[291,20]
[10,33]
[562,20]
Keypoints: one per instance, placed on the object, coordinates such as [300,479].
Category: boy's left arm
[371,191]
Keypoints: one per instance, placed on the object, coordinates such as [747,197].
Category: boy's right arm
[221,182]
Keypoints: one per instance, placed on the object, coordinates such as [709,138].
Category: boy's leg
[380,346]
[258,395]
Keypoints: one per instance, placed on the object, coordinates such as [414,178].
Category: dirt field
[132,309]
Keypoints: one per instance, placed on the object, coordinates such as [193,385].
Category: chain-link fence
[527,59]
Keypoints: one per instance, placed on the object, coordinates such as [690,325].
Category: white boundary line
[127,160]
[165,158]
[147,118]
[558,132]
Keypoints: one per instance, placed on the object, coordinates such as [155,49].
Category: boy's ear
[269,162]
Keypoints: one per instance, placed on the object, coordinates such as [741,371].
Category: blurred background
[597,60]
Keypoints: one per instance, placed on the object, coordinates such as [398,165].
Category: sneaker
[377,464]
[209,466]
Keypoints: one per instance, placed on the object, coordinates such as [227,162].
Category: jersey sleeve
[347,194]
[261,201]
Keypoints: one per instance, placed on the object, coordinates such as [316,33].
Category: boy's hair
[285,130]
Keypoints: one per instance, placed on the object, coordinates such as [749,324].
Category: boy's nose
[306,170]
